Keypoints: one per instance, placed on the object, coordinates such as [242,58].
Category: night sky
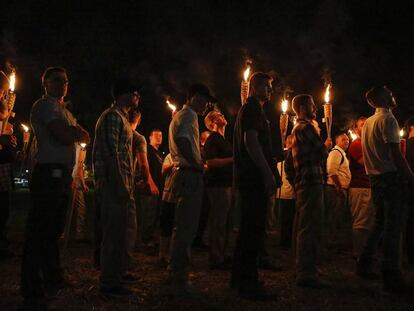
[167,45]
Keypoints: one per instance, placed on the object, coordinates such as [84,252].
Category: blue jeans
[387,194]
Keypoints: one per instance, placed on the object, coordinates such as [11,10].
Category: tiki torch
[10,99]
[172,107]
[245,85]
[284,121]
[327,109]
[403,145]
[352,135]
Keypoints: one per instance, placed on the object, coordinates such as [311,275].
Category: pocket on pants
[185,183]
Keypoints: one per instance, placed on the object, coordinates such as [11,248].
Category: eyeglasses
[59,80]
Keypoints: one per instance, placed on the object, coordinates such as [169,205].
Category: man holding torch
[254,177]
[7,151]
[56,132]
[309,153]
[387,169]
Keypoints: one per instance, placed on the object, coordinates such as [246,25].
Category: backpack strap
[342,156]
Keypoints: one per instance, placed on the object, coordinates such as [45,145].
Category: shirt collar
[54,100]
[189,108]
[339,148]
[382,110]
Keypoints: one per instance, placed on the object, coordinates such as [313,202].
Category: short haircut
[155,130]
[259,78]
[339,134]
[134,116]
[376,96]
[51,70]
[354,125]
[301,101]
[209,119]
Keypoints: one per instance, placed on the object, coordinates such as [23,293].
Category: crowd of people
[329,194]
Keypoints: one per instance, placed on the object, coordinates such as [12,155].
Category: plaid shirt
[309,154]
[113,139]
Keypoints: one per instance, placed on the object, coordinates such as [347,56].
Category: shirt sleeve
[111,130]
[315,140]
[333,162]
[391,130]
[141,144]
[185,125]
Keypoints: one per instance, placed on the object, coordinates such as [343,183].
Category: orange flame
[25,127]
[284,105]
[172,107]
[246,74]
[353,135]
[12,81]
[327,93]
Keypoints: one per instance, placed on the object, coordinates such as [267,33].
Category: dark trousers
[202,225]
[253,221]
[167,218]
[4,217]
[287,210]
[409,232]
[387,194]
[50,188]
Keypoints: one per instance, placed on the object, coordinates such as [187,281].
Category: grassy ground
[347,293]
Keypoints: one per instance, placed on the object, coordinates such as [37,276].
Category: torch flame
[12,81]
[83,145]
[172,107]
[353,135]
[284,105]
[402,133]
[25,128]
[327,93]
[246,74]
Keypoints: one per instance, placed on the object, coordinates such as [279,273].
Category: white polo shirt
[185,125]
[379,130]
[338,164]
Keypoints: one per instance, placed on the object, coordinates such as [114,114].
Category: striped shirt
[309,154]
[113,138]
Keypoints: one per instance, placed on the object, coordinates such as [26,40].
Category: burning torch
[10,99]
[172,107]
[284,121]
[327,109]
[245,85]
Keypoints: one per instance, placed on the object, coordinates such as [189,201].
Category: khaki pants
[115,235]
[218,222]
[362,208]
[187,187]
[309,208]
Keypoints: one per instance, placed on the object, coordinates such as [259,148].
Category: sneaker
[313,283]
[223,266]
[117,291]
[129,278]
[258,295]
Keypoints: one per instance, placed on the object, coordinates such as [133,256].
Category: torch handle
[10,99]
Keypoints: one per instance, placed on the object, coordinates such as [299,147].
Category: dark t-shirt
[217,146]
[410,152]
[359,178]
[246,174]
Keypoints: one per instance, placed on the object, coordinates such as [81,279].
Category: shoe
[163,263]
[268,265]
[223,266]
[38,304]
[117,291]
[129,278]
[259,294]
[394,282]
[313,283]
[364,270]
